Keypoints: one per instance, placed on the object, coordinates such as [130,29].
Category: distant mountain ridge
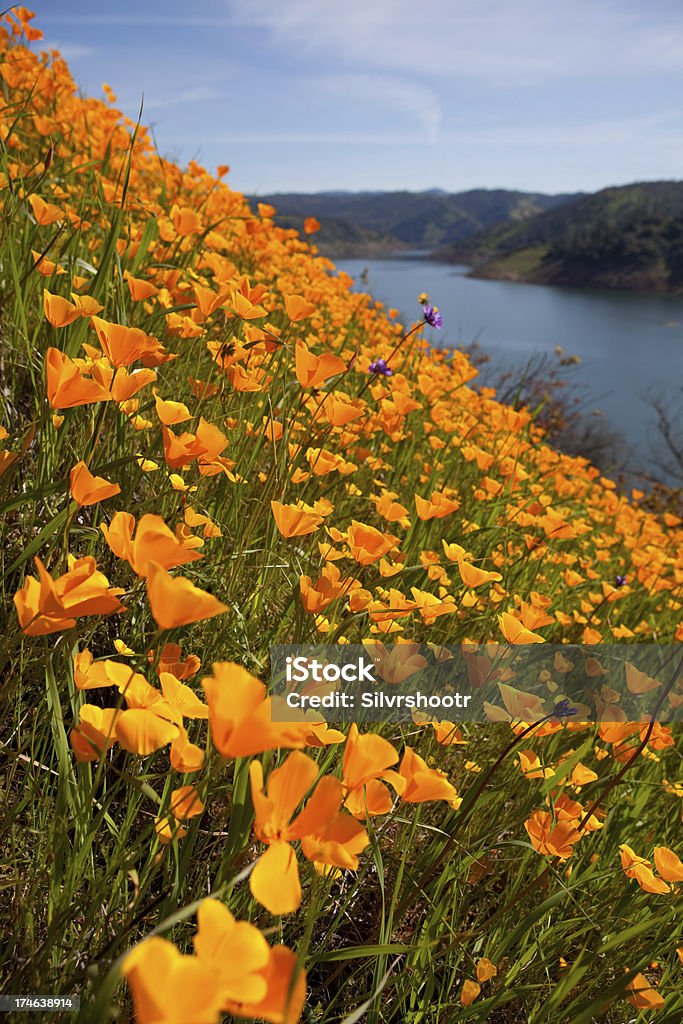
[624,237]
[369,223]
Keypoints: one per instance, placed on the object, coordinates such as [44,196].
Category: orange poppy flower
[67,386]
[286,981]
[367,544]
[139,288]
[555,840]
[45,213]
[486,969]
[95,732]
[422,783]
[668,864]
[340,410]
[298,308]
[437,507]
[474,577]
[235,952]
[44,266]
[327,836]
[295,520]
[388,508]
[185,756]
[182,698]
[398,664]
[143,730]
[243,307]
[642,995]
[185,221]
[59,311]
[124,345]
[432,607]
[154,542]
[367,766]
[186,803]
[531,767]
[87,489]
[45,605]
[170,988]
[87,305]
[181,449]
[171,412]
[126,384]
[175,601]
[241,715]
[515,633]
[255,980]
[329,586]
[312,370]
[470,991]
[243,379]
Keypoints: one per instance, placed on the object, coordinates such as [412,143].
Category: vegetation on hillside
[210,444]
[626,237]
[372,223]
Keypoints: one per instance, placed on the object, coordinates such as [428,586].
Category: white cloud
[663,128]
[133,20]
[498,40]
[321,138]
[393,93]
[69,51]
[193,94]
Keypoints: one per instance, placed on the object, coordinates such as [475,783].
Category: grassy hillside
[414,220]
[626,237]
[209,444]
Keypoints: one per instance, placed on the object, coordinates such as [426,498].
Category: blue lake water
[630,345]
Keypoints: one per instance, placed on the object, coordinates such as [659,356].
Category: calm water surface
[630,345]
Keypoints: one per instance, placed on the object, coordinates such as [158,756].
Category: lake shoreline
[638,282]
[556,276]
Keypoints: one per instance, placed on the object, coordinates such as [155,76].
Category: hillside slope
[625,237]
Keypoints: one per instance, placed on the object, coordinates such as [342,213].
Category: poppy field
[209,445]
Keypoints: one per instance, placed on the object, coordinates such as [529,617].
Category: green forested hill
[624,237]
[361,223]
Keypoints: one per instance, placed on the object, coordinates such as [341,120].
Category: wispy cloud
[272,138]
[380,92]
[131,20]
[69,51]
[174,98]
[528,40]
[665,126]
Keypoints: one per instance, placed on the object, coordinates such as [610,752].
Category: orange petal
[140,731]
[87,489]
[175,601]
[470,991]
[668,864]
[274,882]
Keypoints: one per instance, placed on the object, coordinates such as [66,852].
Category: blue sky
[306,95]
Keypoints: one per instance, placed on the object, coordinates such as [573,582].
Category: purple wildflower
[620,581]
[563,709]
[380,367]
[432,316]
